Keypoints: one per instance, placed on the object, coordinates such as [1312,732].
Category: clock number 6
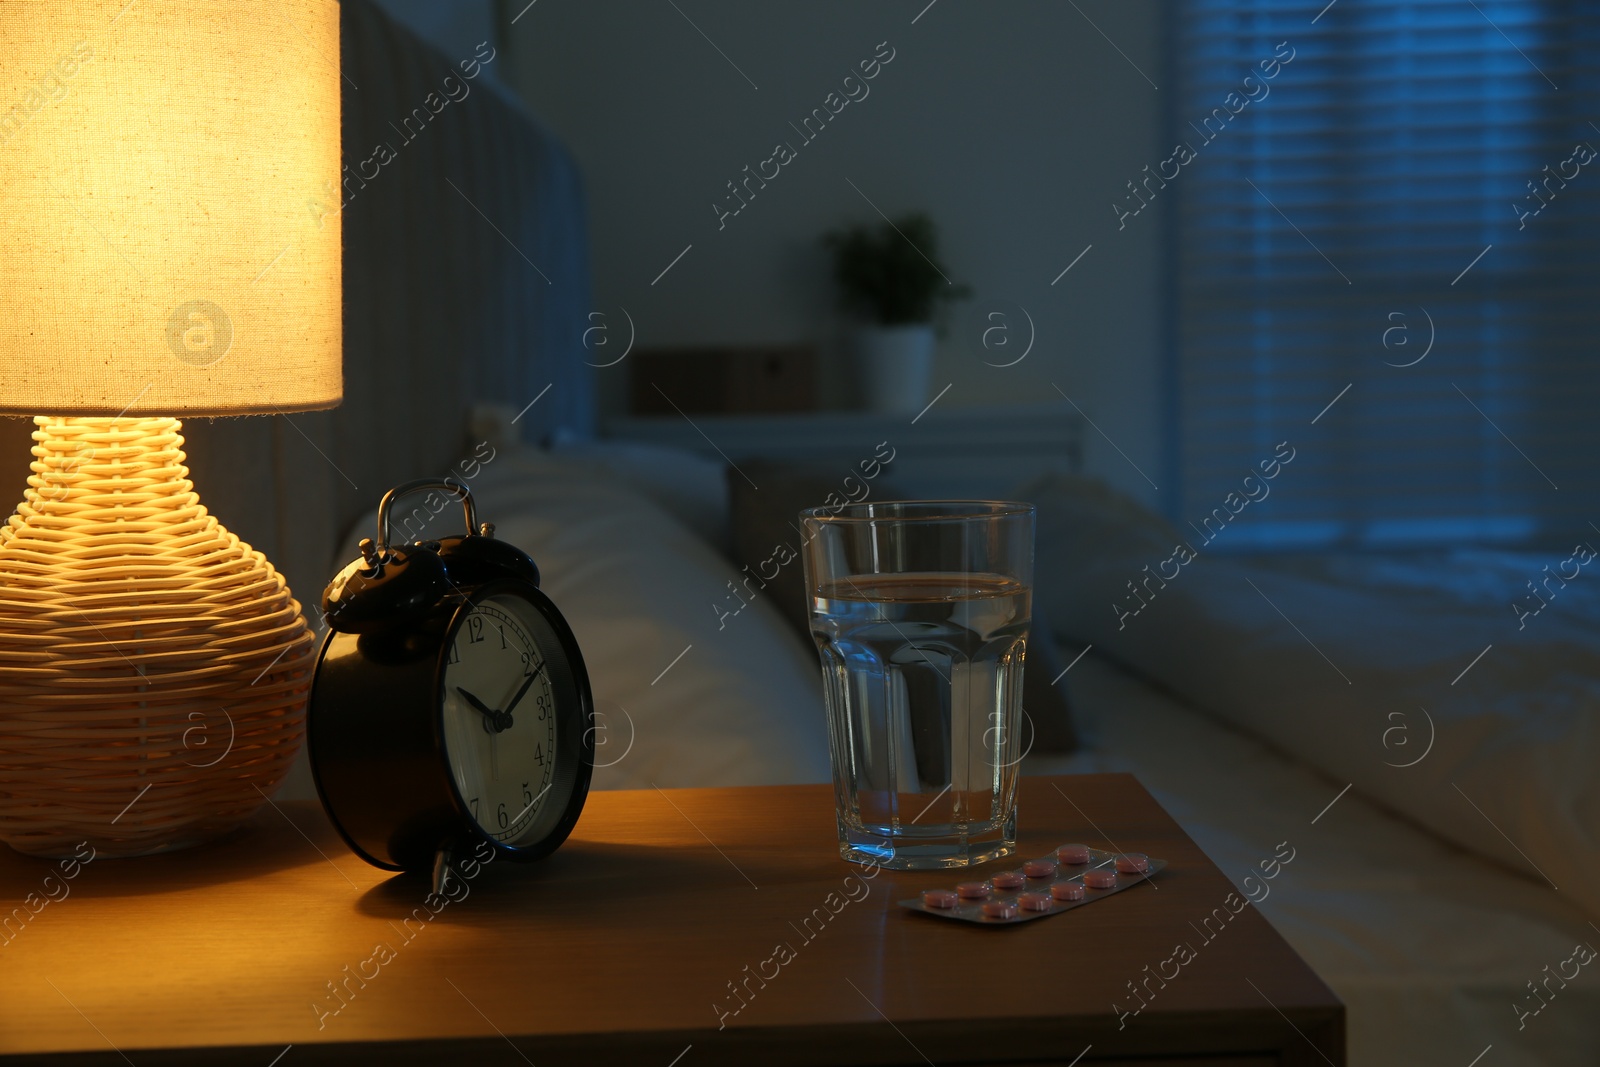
[505,819]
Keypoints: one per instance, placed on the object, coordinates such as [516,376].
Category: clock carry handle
[470,560]
[457,489]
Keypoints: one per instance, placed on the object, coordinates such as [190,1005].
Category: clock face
[500,718]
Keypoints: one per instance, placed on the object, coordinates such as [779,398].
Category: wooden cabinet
[947,451]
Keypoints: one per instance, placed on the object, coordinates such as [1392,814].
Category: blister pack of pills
[1070,877]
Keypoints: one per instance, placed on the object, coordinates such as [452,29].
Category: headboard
[466,279]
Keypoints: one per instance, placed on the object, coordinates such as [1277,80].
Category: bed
[1430,946]
[1423,889]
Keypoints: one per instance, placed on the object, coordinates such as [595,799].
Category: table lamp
[167,249]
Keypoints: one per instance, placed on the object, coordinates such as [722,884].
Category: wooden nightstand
[627,947]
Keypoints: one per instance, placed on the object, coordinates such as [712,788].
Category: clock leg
[442,869]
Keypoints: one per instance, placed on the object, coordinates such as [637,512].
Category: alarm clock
[450,708]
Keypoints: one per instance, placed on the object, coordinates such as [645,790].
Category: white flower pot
[895,365]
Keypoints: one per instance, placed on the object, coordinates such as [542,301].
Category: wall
[1015,126]
[454,27]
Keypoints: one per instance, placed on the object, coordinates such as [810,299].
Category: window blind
[1400,222]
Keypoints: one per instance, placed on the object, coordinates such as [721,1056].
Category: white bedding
[1429,946]
[1406,677]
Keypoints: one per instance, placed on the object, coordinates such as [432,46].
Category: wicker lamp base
[153,667]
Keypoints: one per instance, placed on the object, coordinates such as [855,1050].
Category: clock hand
[523,691]
[494,719]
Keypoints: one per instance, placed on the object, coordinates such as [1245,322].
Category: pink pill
[1039,868]
[939,898]
[1100,878]
[1000,909]
[1132,862]
[973,890]
[1067,891]
[1008,880]
[1077,855]
[1035,901]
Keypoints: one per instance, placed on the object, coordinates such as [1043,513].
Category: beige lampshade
[169,206]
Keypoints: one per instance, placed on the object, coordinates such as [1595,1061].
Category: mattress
[1432,948]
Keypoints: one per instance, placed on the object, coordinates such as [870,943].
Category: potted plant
[889,281]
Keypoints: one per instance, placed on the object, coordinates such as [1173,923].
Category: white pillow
[742,706]
[689,487]
[1511,773]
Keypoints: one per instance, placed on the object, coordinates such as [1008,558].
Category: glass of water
[920,612]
